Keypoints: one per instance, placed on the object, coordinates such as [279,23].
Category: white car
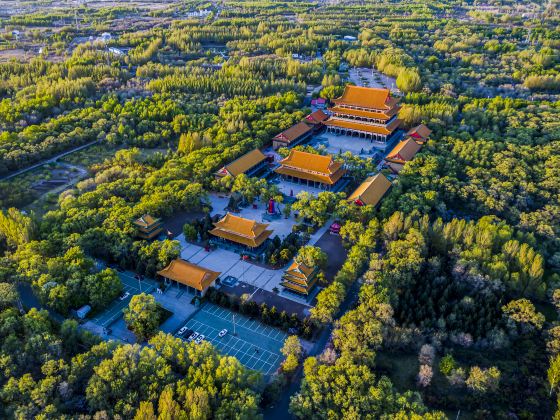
[193,336]
[124,296]
[199,339]
[182,330]
[222,333]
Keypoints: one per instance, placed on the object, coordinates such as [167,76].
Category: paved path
[280,410]
[50,160]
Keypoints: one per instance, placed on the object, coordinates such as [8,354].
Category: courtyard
[363,76]
[229,263]
[338,143]
[255,345]
[281,225]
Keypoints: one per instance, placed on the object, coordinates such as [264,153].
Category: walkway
[49,160]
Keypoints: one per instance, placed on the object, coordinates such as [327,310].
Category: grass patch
[91,155]
[401,368]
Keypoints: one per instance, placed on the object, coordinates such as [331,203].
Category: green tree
[409,80]
[311,256]
[553,373]
[447,364]
[142,316]
[483,380]
[522,312]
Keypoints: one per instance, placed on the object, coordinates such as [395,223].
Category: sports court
[114,310]
[255,345]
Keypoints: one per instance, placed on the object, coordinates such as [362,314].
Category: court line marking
[263,360]
[264,330]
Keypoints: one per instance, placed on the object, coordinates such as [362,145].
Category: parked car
[124,296]
[193,336]
[222,333]
[182,330]
[199,339]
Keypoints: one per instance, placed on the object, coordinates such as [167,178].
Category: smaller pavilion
[299,278]
[371,191]
[148,227]
[249,164]
[293,136]
[420,133]
[402,153]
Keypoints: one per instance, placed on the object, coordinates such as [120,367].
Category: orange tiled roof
[324,179]
[395,167]
[295,287]
[404,151]
[420,130]
[243,231]
[310,161]
[300,270]
[189,274]
[293,133]
[299,277]
[311,167]
[365,97]
[368,128]
[366,114]
[316,117]
[372,190]
[146,221]
[243,163]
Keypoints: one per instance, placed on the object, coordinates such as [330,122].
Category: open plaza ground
[281,226]
[254,344]
[339,143]
[363,76]
[229,263]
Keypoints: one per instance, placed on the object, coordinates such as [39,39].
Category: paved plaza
[291,189]
[363,76]
[177,301]
[255,345]
[230,263]
[339,143]
[281,226]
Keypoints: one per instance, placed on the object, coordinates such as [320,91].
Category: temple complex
[369,113]
[313,170]
[240,232]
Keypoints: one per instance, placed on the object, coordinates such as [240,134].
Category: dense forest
[446,305]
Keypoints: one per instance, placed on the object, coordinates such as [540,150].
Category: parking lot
[255,345]
[131,286]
